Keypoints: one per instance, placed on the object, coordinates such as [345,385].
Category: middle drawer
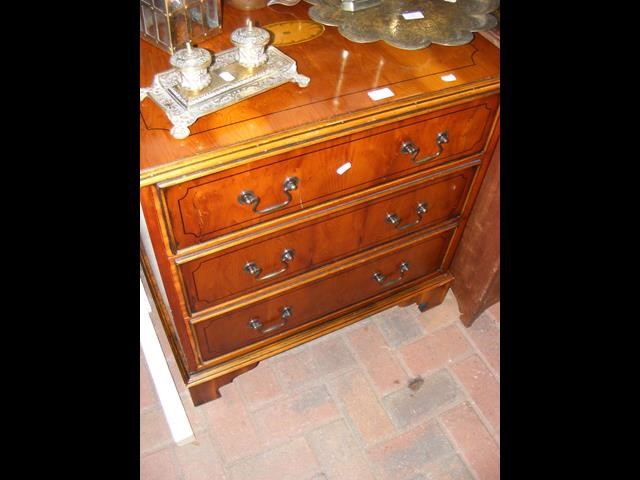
[266,260]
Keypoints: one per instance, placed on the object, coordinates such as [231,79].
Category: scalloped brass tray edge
[434,21]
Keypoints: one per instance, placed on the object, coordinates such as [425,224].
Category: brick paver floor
[401,395]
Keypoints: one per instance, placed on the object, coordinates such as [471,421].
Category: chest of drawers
[292,214]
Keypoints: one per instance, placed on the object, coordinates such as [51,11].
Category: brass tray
[409,24]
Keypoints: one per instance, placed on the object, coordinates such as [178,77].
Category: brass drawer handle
[256,324]
[409,148]
[253,269]
[250,198]
[394,219]
[379,277]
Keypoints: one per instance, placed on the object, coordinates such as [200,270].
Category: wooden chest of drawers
[299,211]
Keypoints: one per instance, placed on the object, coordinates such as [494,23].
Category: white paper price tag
[226,76]
[412,15]
[380,93]
[343,168]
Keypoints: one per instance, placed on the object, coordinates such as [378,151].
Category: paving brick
[482,386]
[474,441]
[377,359]
[292,461]
[449,468]
[403,457]
[158,466]
[485,334]
[495,311]
[331,355]
[230,425]
[338,453]
[259,386]
[304,411]
[362,406]
[444,314]
[199,460]
[148,395]
[398,326]
[434,351]
[410,405]
[295,370]
[320,358]
[154,431]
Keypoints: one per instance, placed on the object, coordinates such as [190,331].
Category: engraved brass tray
[409,24]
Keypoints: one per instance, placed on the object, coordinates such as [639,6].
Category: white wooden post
[165,387]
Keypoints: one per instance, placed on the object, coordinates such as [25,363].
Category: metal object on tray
[194,88]
[409,24]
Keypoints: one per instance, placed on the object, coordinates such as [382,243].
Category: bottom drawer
[271,318]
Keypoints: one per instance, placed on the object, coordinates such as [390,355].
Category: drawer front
[223,275]
[205,208]
[266,319]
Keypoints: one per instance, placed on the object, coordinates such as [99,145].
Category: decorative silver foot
[301,80]
[179,131]
[143,93]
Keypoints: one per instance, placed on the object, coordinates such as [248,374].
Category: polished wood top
[335,101]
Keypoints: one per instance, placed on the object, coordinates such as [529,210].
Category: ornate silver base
[231,83]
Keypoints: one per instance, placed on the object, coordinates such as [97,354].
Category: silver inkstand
[195,87]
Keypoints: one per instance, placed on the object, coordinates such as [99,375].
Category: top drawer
[208,207]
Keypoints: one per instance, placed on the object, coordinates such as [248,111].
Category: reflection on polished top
[347,82]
